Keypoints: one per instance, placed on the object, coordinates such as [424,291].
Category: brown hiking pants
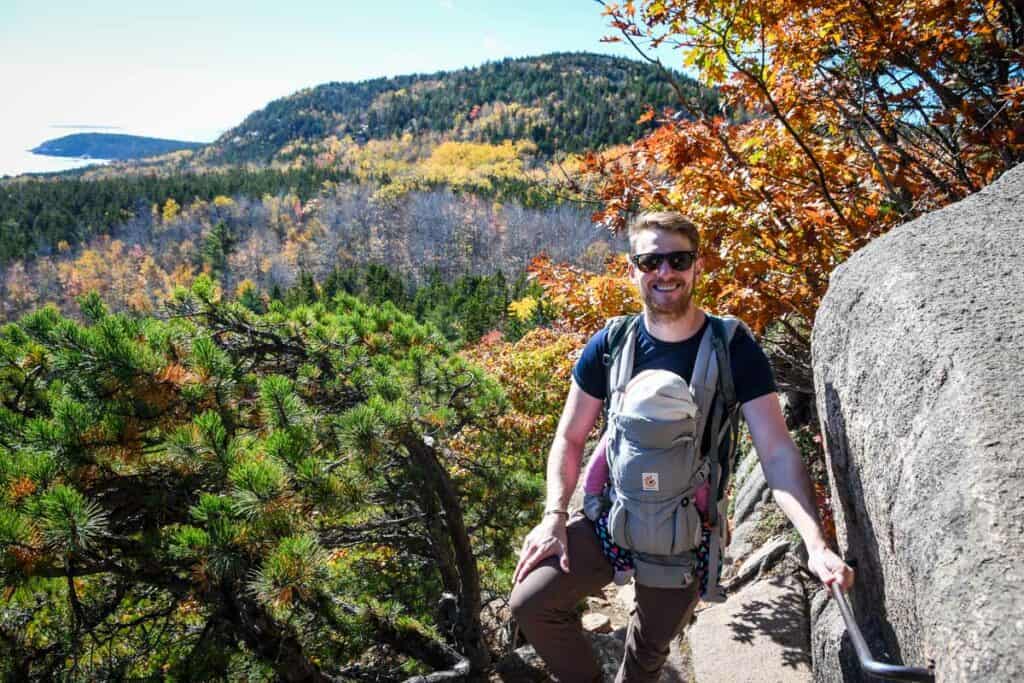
[544,605]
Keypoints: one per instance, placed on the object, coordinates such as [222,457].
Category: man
[562,560]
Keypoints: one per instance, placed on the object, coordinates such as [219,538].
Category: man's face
[666,293]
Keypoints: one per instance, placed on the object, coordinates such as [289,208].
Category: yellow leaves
[393,191]
[750,142]
[244,287]
[471,164]
[171,210]
[534,373]
[523,309]
[190,606]
[181,276]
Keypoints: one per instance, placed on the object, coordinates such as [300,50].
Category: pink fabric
[596,475]
[700,498]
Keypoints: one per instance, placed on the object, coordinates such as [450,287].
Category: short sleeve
[751,370]
[589,371]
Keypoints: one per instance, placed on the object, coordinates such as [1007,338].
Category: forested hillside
[563,103]
[269,244]
[37,215]
[453,171]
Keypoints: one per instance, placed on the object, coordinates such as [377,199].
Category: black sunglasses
[677,260]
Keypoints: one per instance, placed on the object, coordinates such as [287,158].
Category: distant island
[110,146]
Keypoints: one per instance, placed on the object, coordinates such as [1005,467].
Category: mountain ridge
[562,102]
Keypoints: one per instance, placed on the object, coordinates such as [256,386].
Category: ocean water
[15,142]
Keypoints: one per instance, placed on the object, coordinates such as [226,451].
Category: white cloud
[491,43]
[447,4]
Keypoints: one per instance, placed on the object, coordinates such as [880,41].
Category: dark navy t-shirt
[751,371]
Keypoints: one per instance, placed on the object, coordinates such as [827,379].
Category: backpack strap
[618,361]
[725,415]
[704,380]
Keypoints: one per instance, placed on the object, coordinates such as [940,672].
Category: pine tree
[223,491]
[216,247]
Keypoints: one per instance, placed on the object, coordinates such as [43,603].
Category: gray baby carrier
[655,458]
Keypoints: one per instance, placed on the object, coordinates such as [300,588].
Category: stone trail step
[758,635]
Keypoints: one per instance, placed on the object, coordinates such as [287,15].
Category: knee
[535,603]
[524,604]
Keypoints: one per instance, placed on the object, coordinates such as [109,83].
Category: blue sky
[190,69]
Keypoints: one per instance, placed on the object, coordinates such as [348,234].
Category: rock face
[753,493]
[919,367]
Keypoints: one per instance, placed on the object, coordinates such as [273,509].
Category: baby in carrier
[651,397]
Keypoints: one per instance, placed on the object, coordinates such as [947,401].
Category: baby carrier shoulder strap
[726,410]
[618,361]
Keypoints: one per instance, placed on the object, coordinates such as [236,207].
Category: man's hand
[544,540]
[829,568]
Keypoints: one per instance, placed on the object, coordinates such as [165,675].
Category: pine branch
[413,643]
[147,500]
[268,639]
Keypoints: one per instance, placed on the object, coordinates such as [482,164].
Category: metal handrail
[867,662]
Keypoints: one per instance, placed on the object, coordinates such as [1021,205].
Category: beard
[661,310]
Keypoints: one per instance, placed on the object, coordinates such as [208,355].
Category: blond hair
[669,221]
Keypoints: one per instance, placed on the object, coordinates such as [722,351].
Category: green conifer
[222,491]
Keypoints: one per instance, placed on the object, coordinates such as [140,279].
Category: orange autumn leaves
[584,301]
[535,371]
[768,242]
[841,120]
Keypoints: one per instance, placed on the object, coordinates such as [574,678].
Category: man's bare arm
[563,471]
[566,455]
[787,477]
